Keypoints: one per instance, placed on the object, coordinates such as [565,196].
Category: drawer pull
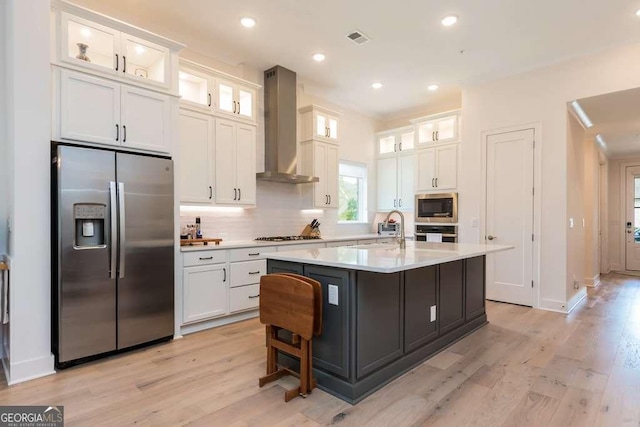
[254,296]
[204,259]
[254,272]
[256,254]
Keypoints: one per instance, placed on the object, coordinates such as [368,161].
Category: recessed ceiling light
[139,50]
[433,87]
[85,32]
[448,21]
[248,22]
[319,57]
[376,85]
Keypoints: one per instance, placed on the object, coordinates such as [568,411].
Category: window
[352,192]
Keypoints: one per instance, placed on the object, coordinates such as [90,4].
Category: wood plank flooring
[526,368]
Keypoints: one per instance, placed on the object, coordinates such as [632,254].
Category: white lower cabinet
[247,272]
[244,298]
[205,292]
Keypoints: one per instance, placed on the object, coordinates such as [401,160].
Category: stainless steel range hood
[280,128]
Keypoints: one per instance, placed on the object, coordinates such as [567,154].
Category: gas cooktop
[286,238]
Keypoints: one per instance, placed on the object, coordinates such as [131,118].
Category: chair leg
[304,367]
[312,381]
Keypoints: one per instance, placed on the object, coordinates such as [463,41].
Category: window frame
[362,190]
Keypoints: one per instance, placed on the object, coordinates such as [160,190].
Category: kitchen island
[385,309]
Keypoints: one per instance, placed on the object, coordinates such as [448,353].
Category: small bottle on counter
[198,230]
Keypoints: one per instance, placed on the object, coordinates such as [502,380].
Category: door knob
[629,231]
[491,237]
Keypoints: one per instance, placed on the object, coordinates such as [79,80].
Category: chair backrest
[317,296]
[289,303]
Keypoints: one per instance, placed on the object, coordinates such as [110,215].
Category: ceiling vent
[358,37]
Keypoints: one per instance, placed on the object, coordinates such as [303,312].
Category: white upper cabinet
[437,168]
[105,112]
[396,183]
[437,129]
[205,89]
[98,44]
[319,123]
[320,159]
[396,141]
[236,99]
[196,157]
[235,163]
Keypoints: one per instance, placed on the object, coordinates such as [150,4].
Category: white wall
[4,162]
[539,96]
[29,129]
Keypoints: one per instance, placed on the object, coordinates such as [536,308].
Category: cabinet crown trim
[208,70]
[387,132]
[319,108]
[435,116]
[82,12]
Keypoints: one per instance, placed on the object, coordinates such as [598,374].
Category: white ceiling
[409,48]
[616,116]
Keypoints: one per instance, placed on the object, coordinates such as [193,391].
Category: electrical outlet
[570,222]
[333,295]
[433,313]
[576,284]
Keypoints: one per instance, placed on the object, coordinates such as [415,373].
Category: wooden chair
[293,303]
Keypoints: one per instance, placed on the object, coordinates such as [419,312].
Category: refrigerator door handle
[113,235]
[121,235]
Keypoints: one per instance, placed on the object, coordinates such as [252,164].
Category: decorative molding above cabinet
[205,89]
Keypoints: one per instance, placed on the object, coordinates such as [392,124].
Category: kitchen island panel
[451,296]
[379,322]
[420,294]
[475,288]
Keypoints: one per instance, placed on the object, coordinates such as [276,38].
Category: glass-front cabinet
[84,41]
[194,89]
[440,129]
[236,99]
[396,141]
[319,123]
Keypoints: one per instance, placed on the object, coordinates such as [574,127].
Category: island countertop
[388,258]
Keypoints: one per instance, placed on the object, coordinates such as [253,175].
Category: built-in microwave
[439,208]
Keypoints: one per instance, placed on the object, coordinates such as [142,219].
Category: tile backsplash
[282,209]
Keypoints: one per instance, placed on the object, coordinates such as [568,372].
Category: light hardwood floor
[527,367]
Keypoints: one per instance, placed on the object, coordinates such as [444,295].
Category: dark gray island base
[382,326]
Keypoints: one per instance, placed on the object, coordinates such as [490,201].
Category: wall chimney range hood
[280,116]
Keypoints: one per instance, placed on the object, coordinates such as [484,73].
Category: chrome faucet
[402,241]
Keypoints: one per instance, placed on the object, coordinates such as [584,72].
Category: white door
[246,164]
[226,191]
[89,109]
[632,226]
[426,169]
[509,215]
[321,198]
[446,167]
[205,292]
[387,176]
[405,183]
[332,175]
[196,157]
[146,120]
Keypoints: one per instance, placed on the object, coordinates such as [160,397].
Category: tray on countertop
[191,242]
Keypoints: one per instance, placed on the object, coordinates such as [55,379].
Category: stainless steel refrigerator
[113,257]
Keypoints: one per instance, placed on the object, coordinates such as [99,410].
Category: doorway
[632,218]
[509,215]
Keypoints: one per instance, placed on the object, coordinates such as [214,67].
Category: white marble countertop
[235,244]
[387,258]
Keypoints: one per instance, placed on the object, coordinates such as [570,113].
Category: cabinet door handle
[239,194]
[254,272]
[329,198]
[124,64]
[238,107]
[399,203]
[210,192]
[235,194]
[234,107]
[437,135]
[433,136]
[124,130]
[433,181]
[254,254]
[436,182]
[326,199]
[395,203]
[224,271]
[117,132]
[209,100]
[205,258]
[254,296]
[394,148]
[117,61]
[400,146]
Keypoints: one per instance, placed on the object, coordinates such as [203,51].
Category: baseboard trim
[213,323]
[30,369]
[592,282]
[575,300]
[553,305]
